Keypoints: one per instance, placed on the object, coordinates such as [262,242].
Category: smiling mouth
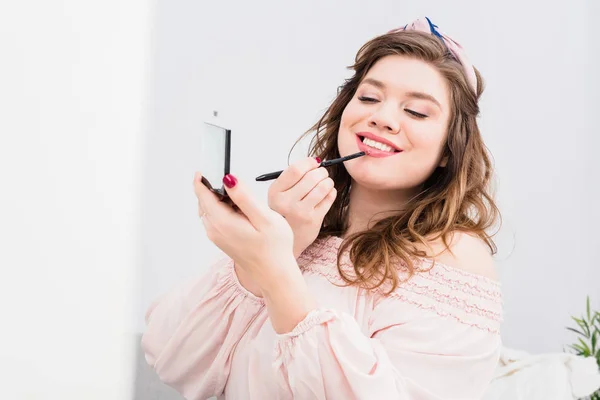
[375,145]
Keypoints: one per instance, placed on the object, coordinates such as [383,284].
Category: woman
[370,280]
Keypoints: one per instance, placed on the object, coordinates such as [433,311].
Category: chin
[371,178]
[374,176]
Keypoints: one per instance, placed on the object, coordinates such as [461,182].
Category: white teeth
[377,145]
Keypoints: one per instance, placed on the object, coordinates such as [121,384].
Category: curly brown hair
[454,198]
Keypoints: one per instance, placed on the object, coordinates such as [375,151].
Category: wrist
[288,301]
[246,281]
[273,278]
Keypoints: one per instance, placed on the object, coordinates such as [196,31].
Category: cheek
[426,139]
[348,115]
[351,117]
[354,113]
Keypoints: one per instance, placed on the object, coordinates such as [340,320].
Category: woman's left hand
[257,238]
[261,243]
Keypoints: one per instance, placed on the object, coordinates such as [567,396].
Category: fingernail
[229,181]
[318,160]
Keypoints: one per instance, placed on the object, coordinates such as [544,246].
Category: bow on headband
[455,49]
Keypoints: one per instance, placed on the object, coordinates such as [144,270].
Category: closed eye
[416,114]
[367,99]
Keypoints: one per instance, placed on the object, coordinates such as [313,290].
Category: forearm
[287,298]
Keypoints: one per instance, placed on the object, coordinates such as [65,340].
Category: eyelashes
[370,100]
[416,114]
[367,99]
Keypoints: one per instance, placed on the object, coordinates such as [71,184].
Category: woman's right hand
[303,194]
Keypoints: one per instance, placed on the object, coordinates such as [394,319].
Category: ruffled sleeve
[192,331]
[436,337]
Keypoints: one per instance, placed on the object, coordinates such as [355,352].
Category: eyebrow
[416,95]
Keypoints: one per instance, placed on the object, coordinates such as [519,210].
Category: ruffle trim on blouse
[448,291]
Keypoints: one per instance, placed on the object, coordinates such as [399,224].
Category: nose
[386,119]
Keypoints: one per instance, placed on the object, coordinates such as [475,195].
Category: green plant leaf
[576,331]
[587,326]
[585,347]
[578,349]
[587,308]
[594,338]
[582,325]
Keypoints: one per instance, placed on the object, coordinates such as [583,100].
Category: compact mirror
[215,159]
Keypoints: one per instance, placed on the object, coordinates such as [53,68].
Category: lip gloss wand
[275,175]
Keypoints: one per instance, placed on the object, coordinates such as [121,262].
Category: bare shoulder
[466,252]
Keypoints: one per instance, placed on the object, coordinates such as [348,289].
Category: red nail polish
[318,160]
[229,181]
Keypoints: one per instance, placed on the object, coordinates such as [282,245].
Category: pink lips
[373,152]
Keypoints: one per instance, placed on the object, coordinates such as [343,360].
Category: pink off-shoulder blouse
[435,337]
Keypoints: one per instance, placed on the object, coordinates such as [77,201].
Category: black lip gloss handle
[269,176]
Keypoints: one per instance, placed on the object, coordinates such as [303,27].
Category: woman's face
[403,103]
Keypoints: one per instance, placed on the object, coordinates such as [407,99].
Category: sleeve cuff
[314,318]
[241,289]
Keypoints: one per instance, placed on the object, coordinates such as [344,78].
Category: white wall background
[271,68]
[73,87]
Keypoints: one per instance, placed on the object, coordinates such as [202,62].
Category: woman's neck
[367,206]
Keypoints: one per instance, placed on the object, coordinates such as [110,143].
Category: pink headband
[455,49]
